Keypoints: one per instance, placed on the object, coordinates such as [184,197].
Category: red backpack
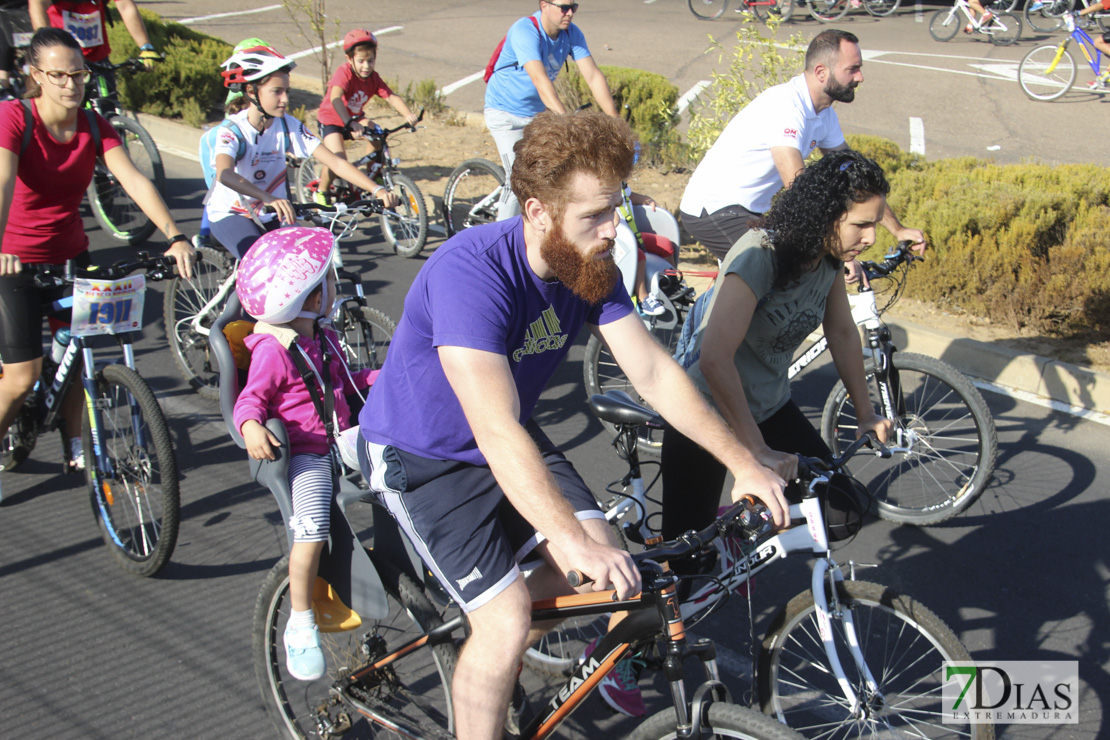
[492,67]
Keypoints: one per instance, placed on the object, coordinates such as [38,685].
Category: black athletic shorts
[22,309]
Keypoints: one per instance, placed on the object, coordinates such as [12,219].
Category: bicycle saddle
[617,407]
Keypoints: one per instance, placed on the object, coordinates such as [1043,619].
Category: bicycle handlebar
[50,276]
[386,132]
[901,255]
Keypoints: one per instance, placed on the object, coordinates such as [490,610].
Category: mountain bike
[1048,71]
[1003,29]
[1048,15]
[406,228]
[845,658]
[113,208]
[946,444]
[709,10]
[129,462]
[191,306]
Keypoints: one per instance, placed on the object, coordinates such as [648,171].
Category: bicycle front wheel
[882,8]
[708,10]
[364,335]
[944,24]
[904,645]
[1045,16]
[1005,28]
[185,299]
[137,505]
[408,230]
[828,11]
[782,9]
[947,430]
[722,720]
[414,691]
[472,194]
[1047,72]
[306,181]
[113,208]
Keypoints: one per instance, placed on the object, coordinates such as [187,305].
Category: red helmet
[356,37]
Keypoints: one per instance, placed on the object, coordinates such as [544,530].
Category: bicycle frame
[1086,44]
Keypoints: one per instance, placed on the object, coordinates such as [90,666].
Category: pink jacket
[274,389]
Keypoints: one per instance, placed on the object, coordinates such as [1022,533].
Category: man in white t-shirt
[765,146]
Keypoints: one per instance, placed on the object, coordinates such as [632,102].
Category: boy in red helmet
[349,90]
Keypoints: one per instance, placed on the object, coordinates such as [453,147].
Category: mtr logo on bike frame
[1014,692]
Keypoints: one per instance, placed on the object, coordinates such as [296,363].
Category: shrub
[186,84]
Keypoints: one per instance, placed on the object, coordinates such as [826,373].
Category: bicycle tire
[427,672]
[1005,29]
[708,10]
[364,334]
[783,9]
[1048,17]
[883,8]
[944,24]
[183,300]
[720,721]
[408,233]
[22,435]
[1035,79]
[951,435]
[306,181]
[467,198]
[828,11]
[112,207]
[906,658]
[1001,6]
[140,526]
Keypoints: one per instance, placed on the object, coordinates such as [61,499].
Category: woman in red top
[40,190]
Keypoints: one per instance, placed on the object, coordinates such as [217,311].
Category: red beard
[588,278]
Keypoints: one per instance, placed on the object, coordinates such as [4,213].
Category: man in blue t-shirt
[523,79]
[448,440]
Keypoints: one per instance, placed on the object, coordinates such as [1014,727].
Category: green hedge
[645,99]
[1024,244]
[186,84]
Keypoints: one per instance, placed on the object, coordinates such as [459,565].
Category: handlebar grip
[576,578]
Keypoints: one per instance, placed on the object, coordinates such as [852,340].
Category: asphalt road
[90,652]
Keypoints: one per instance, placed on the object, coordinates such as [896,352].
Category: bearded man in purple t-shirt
[448,442]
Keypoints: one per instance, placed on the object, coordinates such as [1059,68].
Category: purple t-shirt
[476,291]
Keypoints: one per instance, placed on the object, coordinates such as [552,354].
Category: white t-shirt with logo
[739,169]
[263,162]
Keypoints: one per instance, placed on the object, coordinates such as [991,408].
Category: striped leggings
[312,479]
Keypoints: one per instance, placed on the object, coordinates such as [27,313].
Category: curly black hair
[801,224]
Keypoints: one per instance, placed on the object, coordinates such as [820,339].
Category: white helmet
[278,272]
[252,64]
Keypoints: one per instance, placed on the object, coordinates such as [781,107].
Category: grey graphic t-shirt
[782,321]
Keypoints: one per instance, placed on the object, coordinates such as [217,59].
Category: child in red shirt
[349,90]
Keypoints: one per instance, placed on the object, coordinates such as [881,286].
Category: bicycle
[191,306]
[113,208]
[1048,72]
[130,467]
[1048,15]
[406,230]
[946,443]
[710,10]
[1003,28]
[830,11]
[471,195]
[890,683]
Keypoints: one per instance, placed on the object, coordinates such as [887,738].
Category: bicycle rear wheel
[306,181]
[944,24]
[414,691]
[184,299]
[364,334]
[947,428]
[1044,77]
[113,208]
[720,721]
[904,645]
[781,9]
[1045,16]
[883,8]
[1005,29]
[407,231]
[137,505]
[472,193]
[828,11]
[707,10]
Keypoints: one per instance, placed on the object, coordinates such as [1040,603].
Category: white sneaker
[652,306]
[303,657]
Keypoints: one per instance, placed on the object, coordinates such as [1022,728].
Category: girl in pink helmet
[297,374]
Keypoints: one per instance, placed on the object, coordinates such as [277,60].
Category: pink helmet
[281,269]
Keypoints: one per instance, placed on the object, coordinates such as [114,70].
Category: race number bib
[108,306]
[85,27]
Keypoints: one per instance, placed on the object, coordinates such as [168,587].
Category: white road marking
[334,44]
[199,19]
[1088,414]
[917,136]
[448,89]
[918,13]
[693,92]
[1008,71]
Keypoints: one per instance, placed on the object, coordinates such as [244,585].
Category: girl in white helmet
[250,153]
